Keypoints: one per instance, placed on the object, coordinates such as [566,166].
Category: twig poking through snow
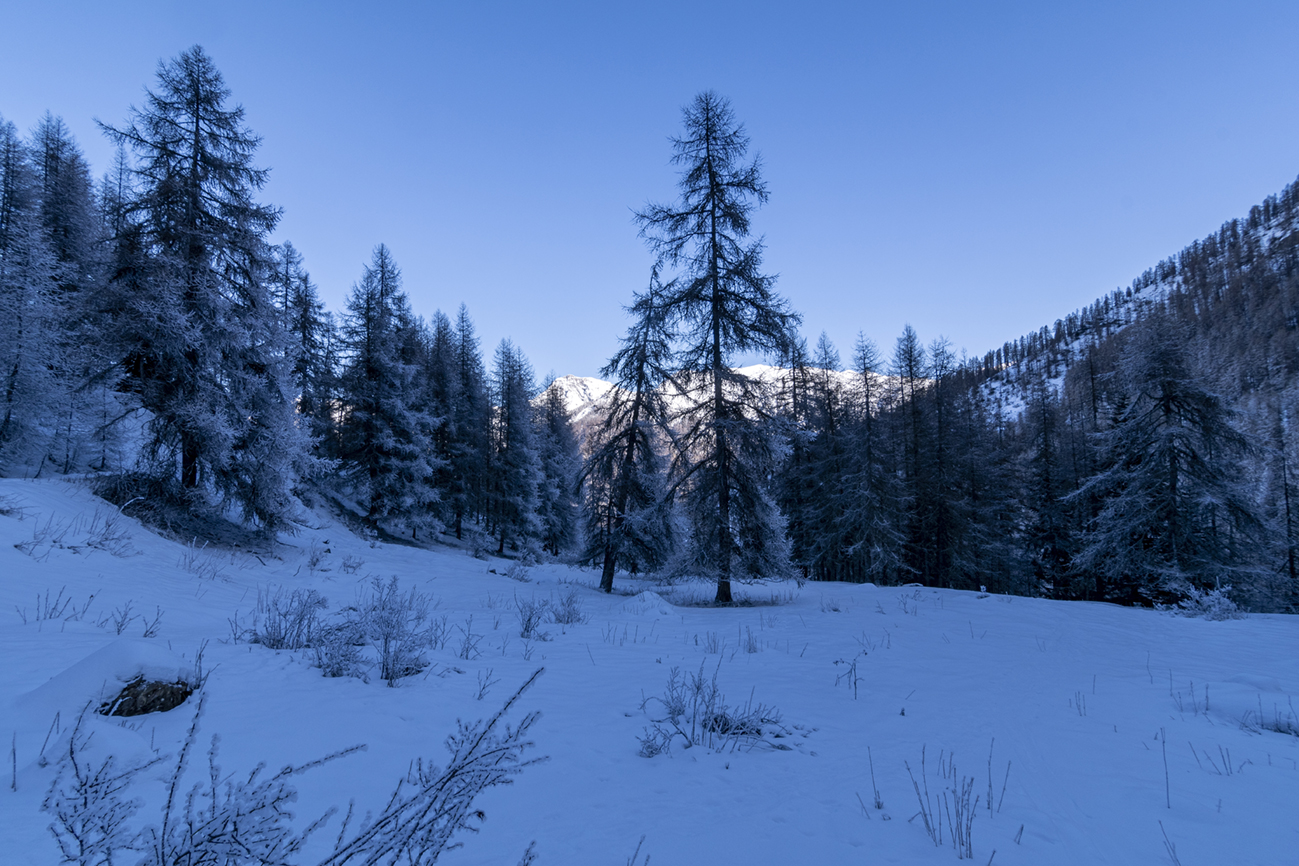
[1163,740]
[1169,846]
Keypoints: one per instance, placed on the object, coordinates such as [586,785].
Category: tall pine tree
[1175,515]
[30,356]
[721,306]
[515,469]
[189,310]
[628,521]
[385,434]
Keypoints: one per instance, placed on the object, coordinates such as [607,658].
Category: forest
[154,339]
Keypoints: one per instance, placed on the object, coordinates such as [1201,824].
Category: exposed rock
[141,696]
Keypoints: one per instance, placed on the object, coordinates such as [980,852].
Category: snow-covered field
[1100,731]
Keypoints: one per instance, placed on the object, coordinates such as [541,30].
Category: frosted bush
[386,626]
[532,614]
[396,624]
[288,620]
[693,708]
[1214,605]
[568,610]
[338,651]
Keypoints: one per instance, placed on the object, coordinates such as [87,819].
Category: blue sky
[977,170]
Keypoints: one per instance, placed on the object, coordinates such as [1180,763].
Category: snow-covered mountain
[582,395]
[586,397]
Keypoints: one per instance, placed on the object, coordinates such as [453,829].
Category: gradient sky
[976,169]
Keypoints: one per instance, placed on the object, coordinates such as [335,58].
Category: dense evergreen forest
[153,337]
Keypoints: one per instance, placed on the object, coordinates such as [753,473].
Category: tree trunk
[606,574]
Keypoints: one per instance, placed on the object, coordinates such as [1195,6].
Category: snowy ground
[1085,703]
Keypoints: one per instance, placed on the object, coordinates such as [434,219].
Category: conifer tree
[74,234]
[909,370]
[188,309]
[313,352]
[721,305]
[795,482]
[29,311]
[1175,516]
[843,543]
[471,419]
[67,203]
[627,517]
[442,384]
[1049,540]
[868,512]
[561,464]
[515,470]
[385,434]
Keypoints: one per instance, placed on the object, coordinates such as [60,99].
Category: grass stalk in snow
[695,710]
[247,817]
[568,609]
[879,801]
[1163,742]
[1169,846]
[58,607]
[954,801]
[531,613]
[631,861]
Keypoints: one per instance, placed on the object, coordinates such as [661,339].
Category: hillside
[1102,734]
[1235,287]
[587,398]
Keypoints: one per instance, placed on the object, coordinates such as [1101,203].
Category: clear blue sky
[975,169]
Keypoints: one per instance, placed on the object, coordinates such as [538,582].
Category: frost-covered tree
[868,510]
[385,442]
[188,309]
[561,464]
[627,515]
[67,203]
[470,447]
[30,356]
[795,483]
[721,305]
[514,471]
[80,403]
[440,381]
[824,475]
[1175,514]
[313,354]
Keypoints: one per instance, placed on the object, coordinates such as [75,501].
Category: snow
[1083,701]
[582,395]
[586,397]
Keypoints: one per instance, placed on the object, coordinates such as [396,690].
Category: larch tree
[561,465]
[721,305]
[627,518]
[1176,515]
[834,551]
[74,235]
[385,434]
[794,481]
[471,418]
[515,469]
[313,354]
[440,380]
[869,509]
[189,309]
[29,312]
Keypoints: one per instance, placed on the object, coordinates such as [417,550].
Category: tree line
[152,334]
